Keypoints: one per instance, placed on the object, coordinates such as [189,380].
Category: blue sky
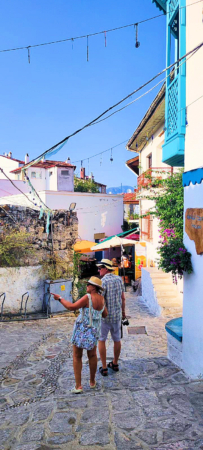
[59,91]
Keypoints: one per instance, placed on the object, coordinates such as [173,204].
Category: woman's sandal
[77,391]
[103,372]
[114,367]
[93,386]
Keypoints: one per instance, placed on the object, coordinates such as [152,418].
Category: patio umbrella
[115,241]
[83,246]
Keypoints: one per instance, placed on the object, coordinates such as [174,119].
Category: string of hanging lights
[104,33]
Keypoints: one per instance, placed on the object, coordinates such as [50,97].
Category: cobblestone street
[149,404]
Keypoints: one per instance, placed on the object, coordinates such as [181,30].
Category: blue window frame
[175,109]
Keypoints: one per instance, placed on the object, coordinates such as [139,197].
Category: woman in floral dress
[86,330]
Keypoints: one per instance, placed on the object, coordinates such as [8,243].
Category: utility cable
[28,47]
[17,187]
[116,104]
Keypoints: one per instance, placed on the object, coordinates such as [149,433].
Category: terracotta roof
[130,197]
[13,159]
[46,165]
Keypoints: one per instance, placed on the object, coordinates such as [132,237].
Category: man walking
[113,291]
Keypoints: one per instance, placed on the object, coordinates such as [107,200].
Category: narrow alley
[149,404]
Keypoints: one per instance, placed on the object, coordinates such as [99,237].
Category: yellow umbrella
[83,246]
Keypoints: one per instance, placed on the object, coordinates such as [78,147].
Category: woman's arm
[105,313]
[81,303]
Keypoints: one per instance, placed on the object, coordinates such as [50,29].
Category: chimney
[10,155]
[82,173]
[68,160]
[26,158]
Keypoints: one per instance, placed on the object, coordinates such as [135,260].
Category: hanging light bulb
[111,159]
[101,161]
[28,53]
[137,43]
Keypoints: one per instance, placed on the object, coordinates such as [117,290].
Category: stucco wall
[7,165]
[194,88]
[97,213]
[16,281]
[193,296]
[149,294]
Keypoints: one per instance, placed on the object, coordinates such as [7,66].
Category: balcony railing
[172,113]
[153,174]
[173,7]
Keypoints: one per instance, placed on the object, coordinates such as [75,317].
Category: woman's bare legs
[92,356]
[77,365]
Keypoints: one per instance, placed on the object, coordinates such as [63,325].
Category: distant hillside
[117,190]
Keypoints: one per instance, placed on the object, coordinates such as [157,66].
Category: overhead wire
[16,187]
[87,35]
[194,50]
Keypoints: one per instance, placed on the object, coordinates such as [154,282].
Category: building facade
[148,141]
[184,142]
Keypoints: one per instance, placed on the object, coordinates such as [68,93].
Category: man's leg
[102,348]
[117,351]
[102,352]
[116,336]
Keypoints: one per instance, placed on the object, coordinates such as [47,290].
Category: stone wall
[15,281]
[64,225]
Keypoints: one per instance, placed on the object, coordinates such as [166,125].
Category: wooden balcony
[148,178]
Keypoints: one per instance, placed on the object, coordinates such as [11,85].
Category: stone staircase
[158,289]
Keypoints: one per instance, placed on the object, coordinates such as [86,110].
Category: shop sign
[194,227]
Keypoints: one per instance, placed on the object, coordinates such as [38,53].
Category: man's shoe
[103,372]
[114,367]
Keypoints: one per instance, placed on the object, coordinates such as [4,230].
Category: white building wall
[193,196]
[155,147]
[193,296]
[7,165]
[97,213]
[38,183]
[64,182]
[194,88]
[15,281]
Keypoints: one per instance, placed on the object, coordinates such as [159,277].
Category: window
[36,175]
[149,161]
[65,173]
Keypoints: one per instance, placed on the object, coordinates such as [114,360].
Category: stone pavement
[149,404]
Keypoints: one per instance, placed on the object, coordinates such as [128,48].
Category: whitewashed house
[8,163]
[98,214]
[147,140]
[183,145]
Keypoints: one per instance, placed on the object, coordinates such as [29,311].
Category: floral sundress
[87,327]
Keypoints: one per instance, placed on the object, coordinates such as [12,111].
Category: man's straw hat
[107,263]
[95,282]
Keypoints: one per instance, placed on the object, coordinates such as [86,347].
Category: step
[168,312]
[165,294]
[162,282]
[165,303]
[165,288]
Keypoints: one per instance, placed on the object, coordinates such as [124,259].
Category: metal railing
[153,174]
